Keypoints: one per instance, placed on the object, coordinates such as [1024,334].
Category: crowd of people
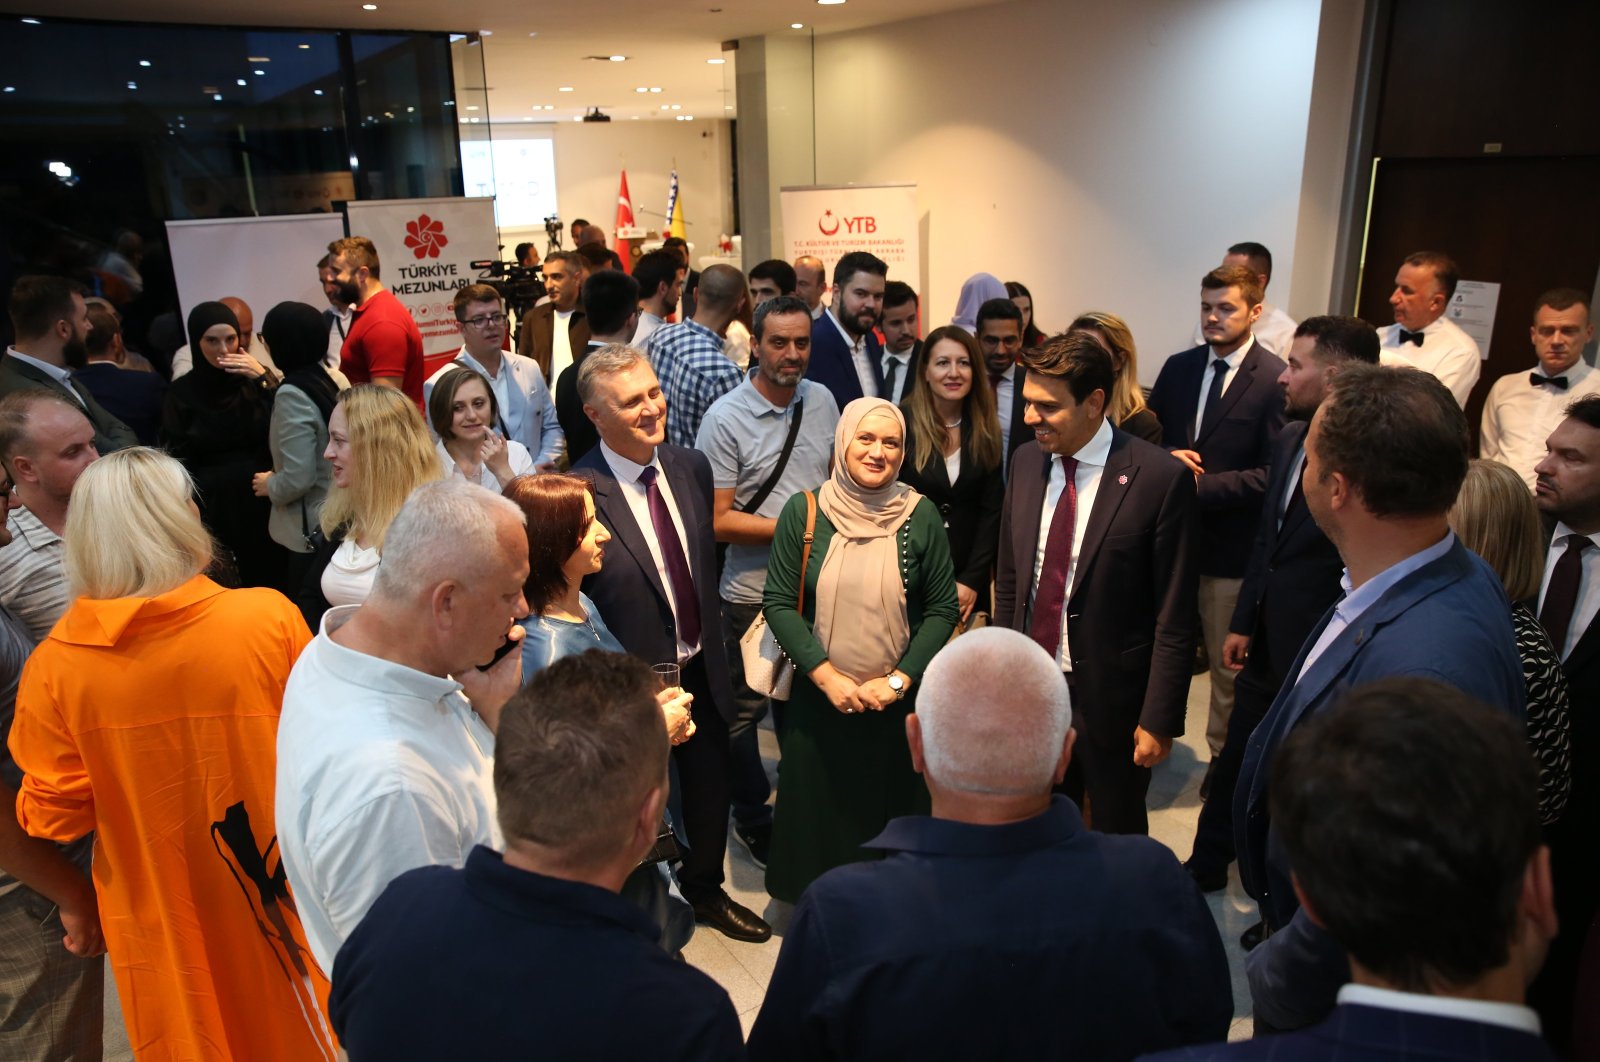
[354,707]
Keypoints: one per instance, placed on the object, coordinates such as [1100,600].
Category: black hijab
[216,384]
[298,337]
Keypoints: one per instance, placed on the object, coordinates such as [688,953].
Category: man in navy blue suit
[1384,461]
[658,593]
[846,356]
[1220,409]
[1292,579]
[997,927]
[1409,813]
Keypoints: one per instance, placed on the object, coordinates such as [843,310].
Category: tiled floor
[744,969]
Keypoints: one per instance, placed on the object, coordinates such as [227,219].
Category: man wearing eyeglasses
[527,412]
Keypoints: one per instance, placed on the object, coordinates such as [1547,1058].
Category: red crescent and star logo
[822,223]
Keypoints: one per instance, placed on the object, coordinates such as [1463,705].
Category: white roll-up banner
[263,261]
[424,250]
[829,221]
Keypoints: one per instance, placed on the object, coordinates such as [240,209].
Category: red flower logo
[425,237]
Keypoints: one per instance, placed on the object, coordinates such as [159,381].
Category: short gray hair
[994,710]
[609,360]
[445,530]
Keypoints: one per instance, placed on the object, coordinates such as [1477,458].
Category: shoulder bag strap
[805,554]
[766,488]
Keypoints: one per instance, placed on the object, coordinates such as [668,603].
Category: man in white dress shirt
[1422,337]
[386,742]
[1523,408]
[1274,329]
[527,408]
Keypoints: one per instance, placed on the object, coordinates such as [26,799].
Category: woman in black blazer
[953,456]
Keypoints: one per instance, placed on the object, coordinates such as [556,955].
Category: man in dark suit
[846,357]
[132,396]
[1568,493]
[1110,594]
[901,346]
[999,325]
[51,323]
[1385,458]
[1000,894]
[691,279]
[658,594]
[610,303]
[554,333]
[1292,579]
[1220,408]
[1409,813]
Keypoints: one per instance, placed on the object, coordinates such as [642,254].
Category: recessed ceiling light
[633,118]
[31,21]
[716,62]
[655,88]
[144,62]
[688,117]
[677,106]
[797,25]
[133,84]
[727,106]
[242,82]
[618,58]
[666,107]
[535,33]
[410,110]
[829,3]
[369,7]
[258,59]
[577,117]
[549,106]
[11,88]
[316,92]
[564,88]
[305,47]
[217,97]
[641,88]
[486,33]
[261,73]
[472,106]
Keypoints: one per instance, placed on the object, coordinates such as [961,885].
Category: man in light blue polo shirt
[743,434]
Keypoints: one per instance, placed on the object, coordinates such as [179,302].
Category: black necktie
[1561,596]
[891,369]
[1410,337]
[1219,380]
[1558,382]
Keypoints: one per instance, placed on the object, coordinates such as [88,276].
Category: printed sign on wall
[828,222]
[424,247]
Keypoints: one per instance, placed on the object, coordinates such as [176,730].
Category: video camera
[520,286]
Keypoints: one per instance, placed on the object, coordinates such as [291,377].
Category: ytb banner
[829,221]
[424,247]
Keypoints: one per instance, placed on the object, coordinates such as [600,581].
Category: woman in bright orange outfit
[150,716]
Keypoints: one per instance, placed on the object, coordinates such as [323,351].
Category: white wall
[1103,154]
[590,157]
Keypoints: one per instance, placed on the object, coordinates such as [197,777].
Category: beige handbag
[767,668]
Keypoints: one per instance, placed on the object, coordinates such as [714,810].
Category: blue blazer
[627,589]
[1450,621]
[1359,1033]
[831,364]
[1235,446]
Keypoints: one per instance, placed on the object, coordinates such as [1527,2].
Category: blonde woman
[1126,409]
[953,456]
[1494,516]
[380,451]
[149,716]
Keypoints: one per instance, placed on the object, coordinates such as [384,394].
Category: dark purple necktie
[688,611]
[1051,595]
[1561,596]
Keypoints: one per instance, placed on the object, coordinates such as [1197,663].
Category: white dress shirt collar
[55,372]
[628,471]
[1508,1015]
[1097,449]
[855,344]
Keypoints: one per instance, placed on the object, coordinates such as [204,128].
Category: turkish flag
[624,219]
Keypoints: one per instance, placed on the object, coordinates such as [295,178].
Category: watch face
[896,683]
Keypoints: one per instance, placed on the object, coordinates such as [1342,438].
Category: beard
[75,353]
[349,293]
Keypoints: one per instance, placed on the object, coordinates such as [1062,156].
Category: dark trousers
[1253,694]
[1103,770]
[749,784]
[703,771]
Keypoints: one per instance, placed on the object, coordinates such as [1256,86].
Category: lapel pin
[1122,481]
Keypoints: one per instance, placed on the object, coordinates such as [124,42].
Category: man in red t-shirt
[384,346]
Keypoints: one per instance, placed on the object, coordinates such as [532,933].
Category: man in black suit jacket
[1568,493]
[1292,579]
[901,347]
[1220,407]
[51,323]
[999,335]
[657,592]
[845,354]
[1111,595]
[1409,813]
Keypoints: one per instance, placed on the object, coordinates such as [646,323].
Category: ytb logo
[862,224]
[425,237]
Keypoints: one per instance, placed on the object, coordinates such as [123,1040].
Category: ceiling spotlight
[535,33]
[564,88]
[549,106]
[716,62]
[797,25]
[655,88]
[665,107]
[677,106]
[472,106]
[829,3]
[31,21]
[261,73]
[369,7]
[144,62]
[258,59]
[316,92]
[305,47]
[486,33]
[618,58]
[133,84]
[217,97]
[11,88]
[242,82]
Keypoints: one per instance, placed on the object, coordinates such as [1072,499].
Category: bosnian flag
[675,210]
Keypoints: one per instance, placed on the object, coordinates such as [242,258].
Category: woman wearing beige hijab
[880,599]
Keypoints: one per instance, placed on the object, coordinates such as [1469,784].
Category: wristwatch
[897,684]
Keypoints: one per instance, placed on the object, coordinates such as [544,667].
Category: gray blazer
[300,475]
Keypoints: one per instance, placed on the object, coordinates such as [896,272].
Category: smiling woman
[472,442]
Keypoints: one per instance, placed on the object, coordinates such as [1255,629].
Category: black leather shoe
[1253,936]
[1209,880]
[732,919]
[755,839]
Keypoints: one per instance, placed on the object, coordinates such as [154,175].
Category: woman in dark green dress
[880,600]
